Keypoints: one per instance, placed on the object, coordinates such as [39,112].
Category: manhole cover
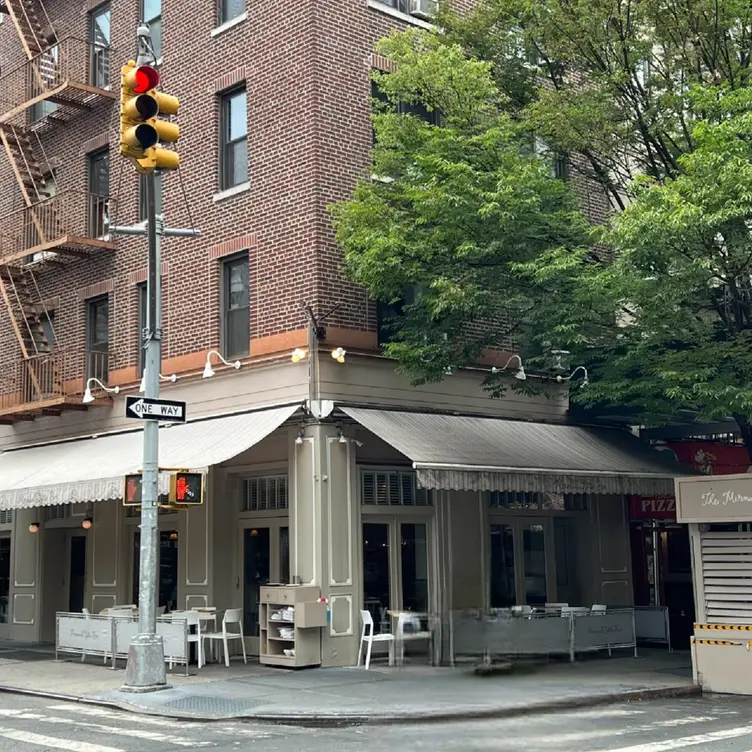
[207,704]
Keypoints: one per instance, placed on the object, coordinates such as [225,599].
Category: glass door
[396,567]
[265,559]
[521,562]
[167,584]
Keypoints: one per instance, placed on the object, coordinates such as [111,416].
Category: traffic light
[141,131]
[132,490]
[187,488]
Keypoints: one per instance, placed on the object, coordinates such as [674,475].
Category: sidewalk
[350,695]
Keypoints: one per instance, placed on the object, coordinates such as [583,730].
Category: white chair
[191,620]
[598,608]
[232,616]
[369,637]
[524,611]
[556,606]
[415,632]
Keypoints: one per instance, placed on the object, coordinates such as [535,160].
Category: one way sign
[143,408]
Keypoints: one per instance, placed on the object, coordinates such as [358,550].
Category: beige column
[325,534]
[26,571]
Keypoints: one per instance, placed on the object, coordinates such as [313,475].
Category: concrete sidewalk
[350,695]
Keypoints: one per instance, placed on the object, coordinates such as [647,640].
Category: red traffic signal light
[145,78]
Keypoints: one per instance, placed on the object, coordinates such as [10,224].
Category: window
[99,30]
[4,578]
[142,316]
[158,196]
[392,488]
[99,188]
[404,108]
[230,9]
[151,12]
[236,325]
[47,79]
[234,129]
[58,512]
[97,338]
[550,502]
[263,494]
[48,327]
[387,314]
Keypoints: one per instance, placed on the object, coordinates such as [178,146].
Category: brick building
[337,474]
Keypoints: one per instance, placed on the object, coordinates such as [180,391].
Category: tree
[667,326]
[453,209]
[649,99]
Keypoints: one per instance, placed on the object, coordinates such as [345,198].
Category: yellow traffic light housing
[141,131]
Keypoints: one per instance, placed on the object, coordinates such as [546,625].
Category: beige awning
[464,453]
[92,468]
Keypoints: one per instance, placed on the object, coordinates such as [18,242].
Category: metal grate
[392,488]
[726,563]
[265,493]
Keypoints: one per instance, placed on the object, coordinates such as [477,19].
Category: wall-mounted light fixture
[339,354]
[519,374]
[209,371]
[298,354]
[585,380]
[87,523]
[299,437]
[142,387]
[89,397]
[34,527]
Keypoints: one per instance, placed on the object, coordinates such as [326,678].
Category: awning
[93,468]
[489,454]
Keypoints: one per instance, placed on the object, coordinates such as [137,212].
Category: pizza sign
[653,507]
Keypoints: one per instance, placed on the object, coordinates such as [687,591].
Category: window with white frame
[266,493]
[395,488]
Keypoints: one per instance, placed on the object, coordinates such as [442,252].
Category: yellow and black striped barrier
[718,642]
[725,627]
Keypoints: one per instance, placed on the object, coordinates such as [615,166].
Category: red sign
[706,457]
[652,507]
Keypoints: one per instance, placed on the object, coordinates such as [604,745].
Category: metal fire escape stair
[25,165]
[28,16]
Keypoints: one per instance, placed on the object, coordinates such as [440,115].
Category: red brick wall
[307,69]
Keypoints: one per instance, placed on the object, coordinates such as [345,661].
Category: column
[324,534]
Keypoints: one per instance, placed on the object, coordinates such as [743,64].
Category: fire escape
[61,81]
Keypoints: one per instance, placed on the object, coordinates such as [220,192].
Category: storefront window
[503,591]
[414,567]
[4,578]
[257,558]
[168,568]
[534,556]
[376,584]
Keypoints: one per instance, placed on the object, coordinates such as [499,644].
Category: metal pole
[145,671]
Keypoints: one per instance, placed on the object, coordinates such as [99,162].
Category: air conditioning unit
[425,9]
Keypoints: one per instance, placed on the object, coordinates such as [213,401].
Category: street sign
[143,408]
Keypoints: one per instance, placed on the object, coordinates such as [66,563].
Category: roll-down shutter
[727,577]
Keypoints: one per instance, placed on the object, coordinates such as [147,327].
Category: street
[711,724]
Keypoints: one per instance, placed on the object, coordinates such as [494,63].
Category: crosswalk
[697,725]
[82,728]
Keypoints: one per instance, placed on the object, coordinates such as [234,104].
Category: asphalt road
[711,724]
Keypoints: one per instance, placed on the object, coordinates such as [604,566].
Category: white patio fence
[110,637]
[499,632]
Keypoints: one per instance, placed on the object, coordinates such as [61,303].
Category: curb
[314,720]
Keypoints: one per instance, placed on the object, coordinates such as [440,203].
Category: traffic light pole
[145,671]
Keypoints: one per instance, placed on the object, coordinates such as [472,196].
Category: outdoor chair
[367,636]
[232,616]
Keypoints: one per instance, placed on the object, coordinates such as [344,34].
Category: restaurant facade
[387,497]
